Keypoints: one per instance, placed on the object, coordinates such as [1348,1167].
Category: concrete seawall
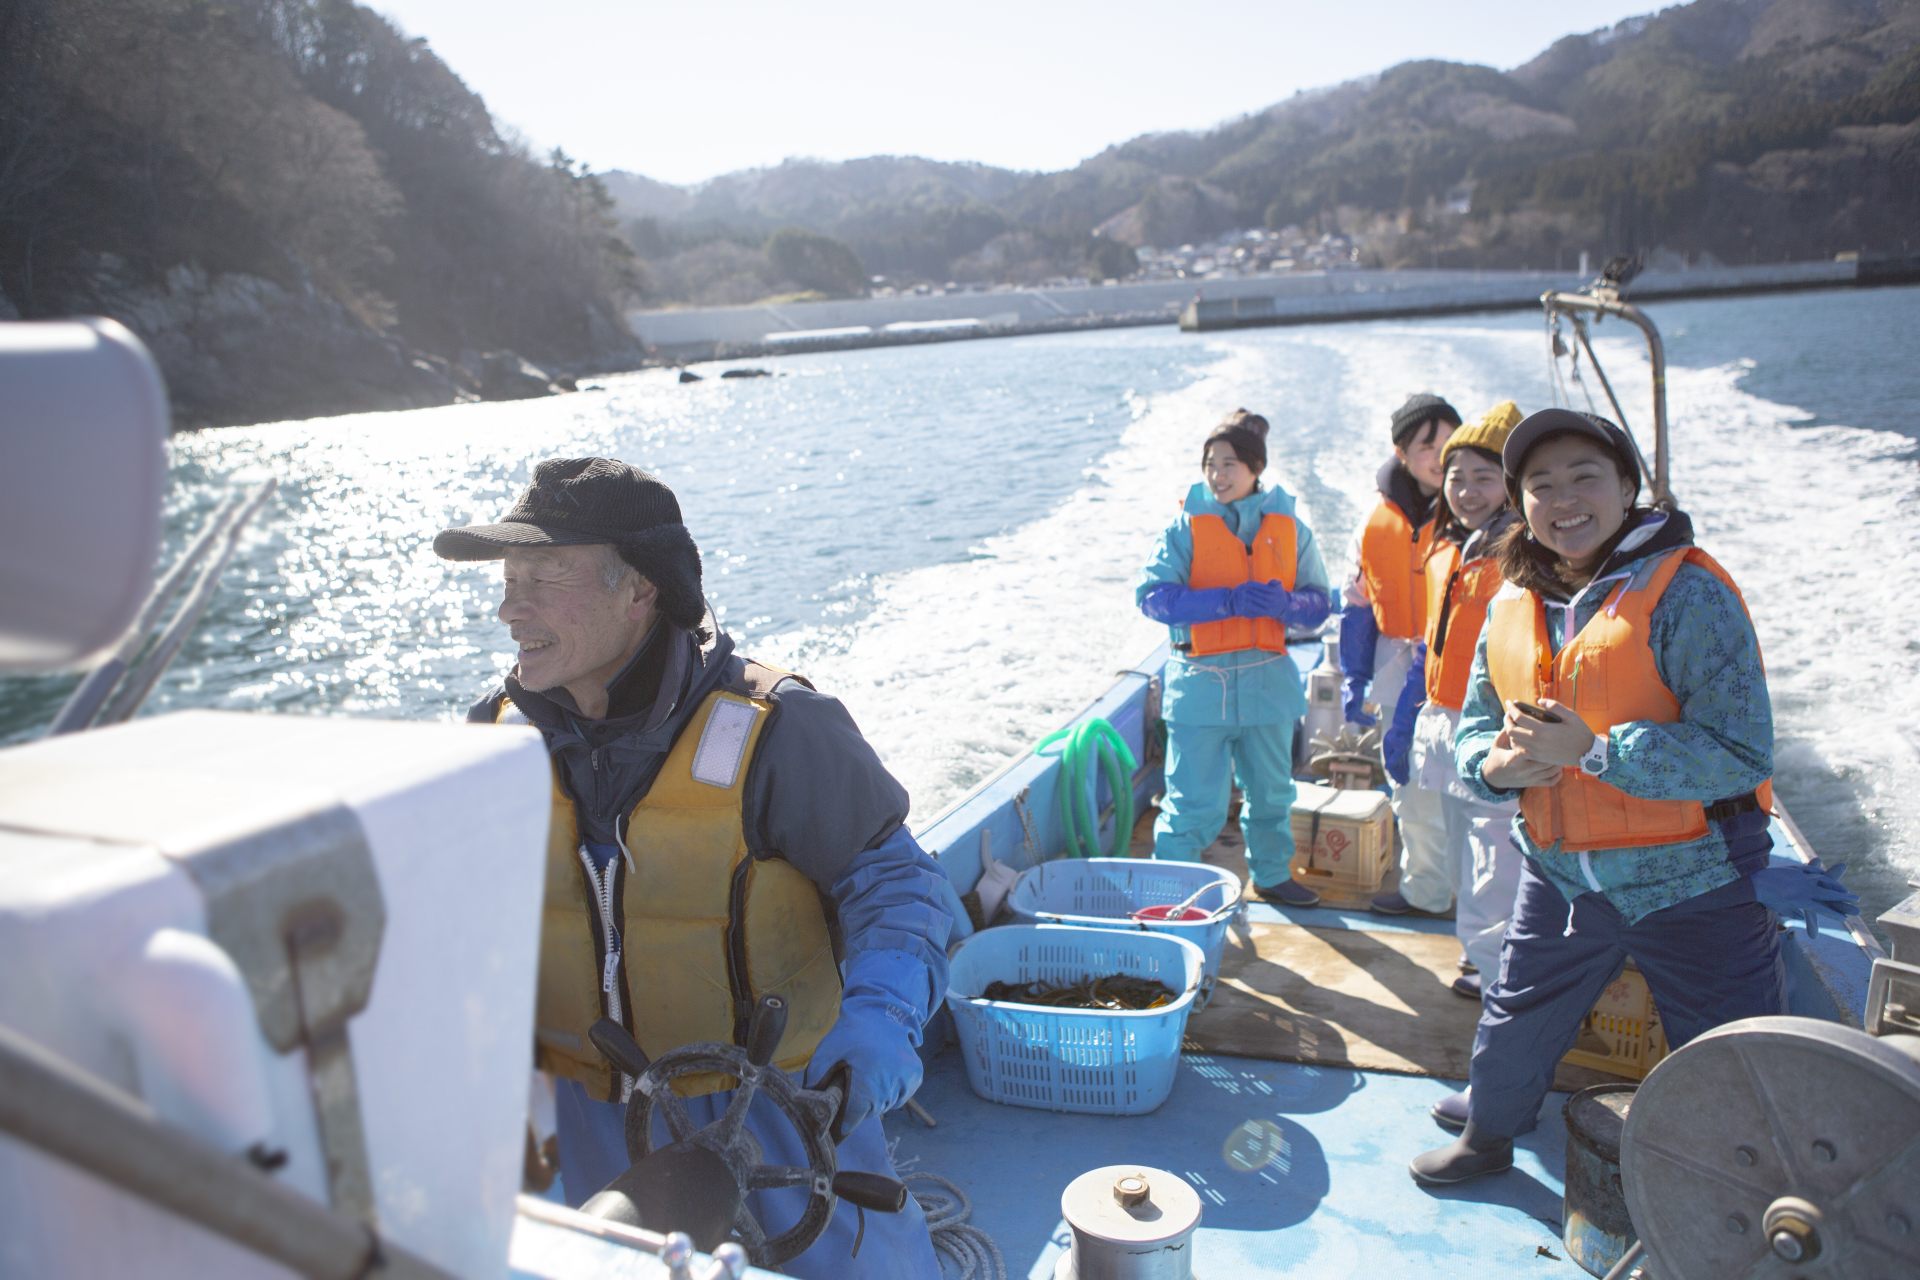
[696,334]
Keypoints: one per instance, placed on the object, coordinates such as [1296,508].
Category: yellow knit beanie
[1489,431]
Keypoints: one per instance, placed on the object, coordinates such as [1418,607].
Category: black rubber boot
[1471,1155]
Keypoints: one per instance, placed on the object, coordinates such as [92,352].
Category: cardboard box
[1621,1034]
[1342,839]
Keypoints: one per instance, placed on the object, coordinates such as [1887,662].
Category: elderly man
[721,831]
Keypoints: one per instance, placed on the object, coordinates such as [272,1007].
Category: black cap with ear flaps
[588,501]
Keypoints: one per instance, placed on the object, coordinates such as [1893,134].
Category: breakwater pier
[1313,297]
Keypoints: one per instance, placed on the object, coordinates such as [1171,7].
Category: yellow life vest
[1607,675]
[706,928]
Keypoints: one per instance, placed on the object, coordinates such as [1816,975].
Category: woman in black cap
[1618,694]
[1385,617]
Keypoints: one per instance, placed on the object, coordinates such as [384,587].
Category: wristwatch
[1594,762]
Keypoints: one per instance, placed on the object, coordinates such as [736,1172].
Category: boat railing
[1603,299]
[115,689]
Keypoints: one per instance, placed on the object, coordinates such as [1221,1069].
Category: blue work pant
[1709,960]
[893,1246]
[1203,763]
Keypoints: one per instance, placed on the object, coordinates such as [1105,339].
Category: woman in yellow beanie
[1462,574]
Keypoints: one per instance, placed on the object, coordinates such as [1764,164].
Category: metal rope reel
[1779,1147]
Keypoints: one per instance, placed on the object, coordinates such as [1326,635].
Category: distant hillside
[301,210]
[1738,129]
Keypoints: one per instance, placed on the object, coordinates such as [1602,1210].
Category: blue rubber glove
[1359,634]
[1259,600]
[1805,891]
[1396,745]
[1306,607]
[876,1038]
[1172,602]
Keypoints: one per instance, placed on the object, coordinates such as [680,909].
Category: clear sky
[686,90]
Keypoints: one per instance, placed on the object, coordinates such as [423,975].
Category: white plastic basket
[1095,1061]
[1103,893]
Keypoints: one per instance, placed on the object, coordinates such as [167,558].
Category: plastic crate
[1621,1034]
[1093,1061]
[1103,893]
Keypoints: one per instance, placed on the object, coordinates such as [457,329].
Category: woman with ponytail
[1229,575]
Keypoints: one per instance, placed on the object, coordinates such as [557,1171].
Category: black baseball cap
[582,501]
[571,502]
[1536,427]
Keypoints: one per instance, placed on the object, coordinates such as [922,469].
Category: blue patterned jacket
[1705,650]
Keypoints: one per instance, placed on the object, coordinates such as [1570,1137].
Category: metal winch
[1129,1222]
[1779,1147]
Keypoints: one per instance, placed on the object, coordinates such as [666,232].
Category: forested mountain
[301,209]
[304,211]
[1739,129]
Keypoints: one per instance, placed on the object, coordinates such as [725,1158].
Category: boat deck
[1301,1166]
[1301,1170]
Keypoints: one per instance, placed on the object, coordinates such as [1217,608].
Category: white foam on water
[1816,525]
[959,667]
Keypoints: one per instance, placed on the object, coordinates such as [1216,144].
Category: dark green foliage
[305,141]
[1111,260]
[816,263]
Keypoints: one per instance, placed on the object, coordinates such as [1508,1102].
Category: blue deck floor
[1302,1171]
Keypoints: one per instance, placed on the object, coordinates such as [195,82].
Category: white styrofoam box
[100,929]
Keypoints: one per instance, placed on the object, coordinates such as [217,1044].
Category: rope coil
[954,1238]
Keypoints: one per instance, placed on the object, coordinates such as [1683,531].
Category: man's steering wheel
[811,1112]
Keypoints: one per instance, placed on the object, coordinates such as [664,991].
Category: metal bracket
[1893,999]
[1902,923]
[298,908]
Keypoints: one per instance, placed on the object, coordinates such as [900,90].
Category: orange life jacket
[1392,557]
[1457,597]
[1220,559]
[1606,673]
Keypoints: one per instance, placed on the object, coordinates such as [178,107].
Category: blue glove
[1359,633]
[1396,746]
[1172,602]
[1306,607]
[875,1039]
[1259,600]
[1805,891]
[1353,694]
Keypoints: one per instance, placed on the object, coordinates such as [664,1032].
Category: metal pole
[74,1116]
[1610,305]
[1623,1268]
[1619,414]
[83,704]
[139,682]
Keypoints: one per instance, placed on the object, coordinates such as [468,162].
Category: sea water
[946,536]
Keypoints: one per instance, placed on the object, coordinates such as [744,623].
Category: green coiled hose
[1092,742]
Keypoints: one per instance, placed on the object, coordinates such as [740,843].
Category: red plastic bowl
[1165,912]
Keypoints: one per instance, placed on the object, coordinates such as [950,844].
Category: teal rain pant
[1203,763]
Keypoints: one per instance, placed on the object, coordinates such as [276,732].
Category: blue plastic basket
[1103,893]
[1094,1061]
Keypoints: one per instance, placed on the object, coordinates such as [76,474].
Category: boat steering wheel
[811,1113]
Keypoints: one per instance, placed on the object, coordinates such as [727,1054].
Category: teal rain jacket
[1251,686]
